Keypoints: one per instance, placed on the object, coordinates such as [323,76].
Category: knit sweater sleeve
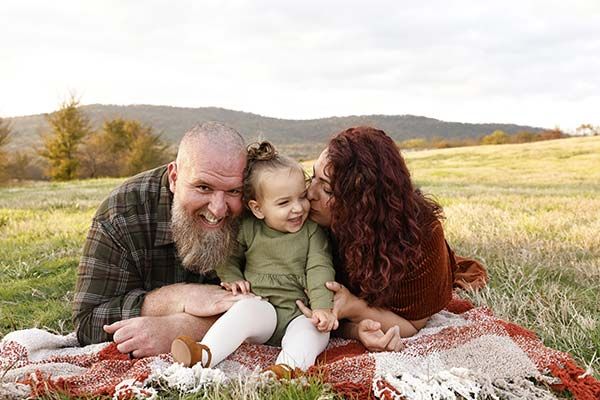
[427,288]
[319,268]
[233,268]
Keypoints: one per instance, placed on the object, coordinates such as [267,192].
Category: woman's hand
[372,337]
[345,304]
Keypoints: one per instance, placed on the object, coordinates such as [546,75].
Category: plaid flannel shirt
[128,252]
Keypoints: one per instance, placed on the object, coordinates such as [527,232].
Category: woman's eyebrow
[319,178]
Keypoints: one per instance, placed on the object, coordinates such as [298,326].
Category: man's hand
[146,336]
[372,337]
[241,286]
[209,300]
[324,320]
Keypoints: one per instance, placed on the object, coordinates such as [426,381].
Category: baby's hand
[241,286]
[324,319]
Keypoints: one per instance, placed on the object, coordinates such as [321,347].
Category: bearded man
[147,270]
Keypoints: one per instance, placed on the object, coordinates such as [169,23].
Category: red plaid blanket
[463,352]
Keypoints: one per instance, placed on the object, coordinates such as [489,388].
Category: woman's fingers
[334,286]
[369,325]
[394,338]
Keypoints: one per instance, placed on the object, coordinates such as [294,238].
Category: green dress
[280,266]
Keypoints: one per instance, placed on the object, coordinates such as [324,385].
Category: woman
[393,264]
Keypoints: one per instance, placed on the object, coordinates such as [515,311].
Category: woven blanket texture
[463,352]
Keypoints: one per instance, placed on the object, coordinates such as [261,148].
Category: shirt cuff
[132,304]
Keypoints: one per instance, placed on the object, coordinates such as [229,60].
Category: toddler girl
[280,257]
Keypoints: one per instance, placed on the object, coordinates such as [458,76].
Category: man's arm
[108,289]
[192,298]
[151,335]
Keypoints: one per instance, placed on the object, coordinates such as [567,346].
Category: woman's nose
[311,192]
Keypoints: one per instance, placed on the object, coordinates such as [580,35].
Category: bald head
[210,136]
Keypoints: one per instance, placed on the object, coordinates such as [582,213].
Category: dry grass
[531,212]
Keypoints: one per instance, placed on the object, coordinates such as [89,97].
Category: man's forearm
[194,327]
[166,300]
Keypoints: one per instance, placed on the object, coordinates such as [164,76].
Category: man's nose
[217,205]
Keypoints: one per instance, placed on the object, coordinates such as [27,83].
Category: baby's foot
[188,352]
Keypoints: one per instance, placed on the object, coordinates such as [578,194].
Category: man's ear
[172,174]
[255,208]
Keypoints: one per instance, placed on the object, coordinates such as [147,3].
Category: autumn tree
[523,137]
[5,136]
[122,148]
[588,130]
[551,134]
[416,143]
[68,127]
[23,165]
[496,137]
[147,151]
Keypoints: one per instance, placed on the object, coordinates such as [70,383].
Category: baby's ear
[255,208]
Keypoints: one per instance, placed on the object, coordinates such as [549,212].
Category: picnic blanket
[463,352]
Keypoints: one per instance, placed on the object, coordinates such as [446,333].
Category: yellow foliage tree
[5,136]
[68,127]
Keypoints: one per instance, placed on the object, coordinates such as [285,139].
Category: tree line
[72,149]
[497,137]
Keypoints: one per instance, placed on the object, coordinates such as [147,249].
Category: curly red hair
[378,218]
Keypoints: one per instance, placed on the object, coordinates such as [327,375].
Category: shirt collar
[164,235]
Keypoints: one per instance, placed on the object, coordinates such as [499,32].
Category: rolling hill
[172,122]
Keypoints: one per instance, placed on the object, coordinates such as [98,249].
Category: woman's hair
[263,157]
[378,218]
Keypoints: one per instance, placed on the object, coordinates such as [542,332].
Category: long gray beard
[201,250]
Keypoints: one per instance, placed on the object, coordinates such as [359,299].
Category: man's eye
[203,188]
[235,192]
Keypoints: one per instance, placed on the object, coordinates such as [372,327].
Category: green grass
[530,212]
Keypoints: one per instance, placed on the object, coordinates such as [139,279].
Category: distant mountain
[172,122]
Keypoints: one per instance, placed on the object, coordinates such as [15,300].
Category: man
[146,273]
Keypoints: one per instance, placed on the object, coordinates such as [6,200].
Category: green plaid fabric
[128,252]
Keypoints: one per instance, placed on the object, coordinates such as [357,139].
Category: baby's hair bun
[263,151]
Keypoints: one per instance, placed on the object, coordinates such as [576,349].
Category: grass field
[530,212]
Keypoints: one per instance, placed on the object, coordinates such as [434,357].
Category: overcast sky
[514,61]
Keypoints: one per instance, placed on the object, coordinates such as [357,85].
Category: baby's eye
[283,203]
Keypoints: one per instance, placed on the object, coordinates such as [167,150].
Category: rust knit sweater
[427,288]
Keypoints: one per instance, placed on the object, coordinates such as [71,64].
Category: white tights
[254,321]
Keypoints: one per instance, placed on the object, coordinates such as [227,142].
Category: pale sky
[512,61]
